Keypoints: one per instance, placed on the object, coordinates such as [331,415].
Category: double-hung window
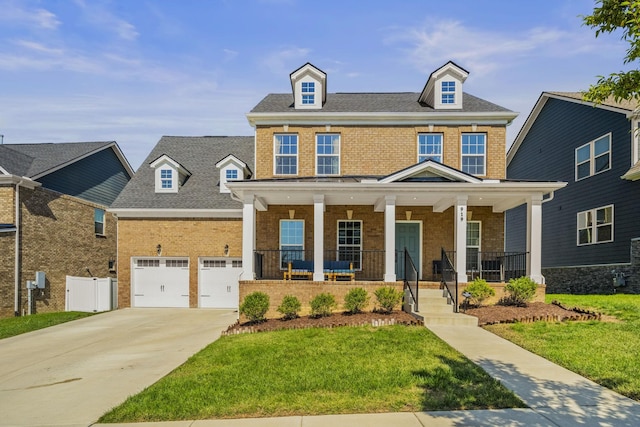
[474,153]
[430,147]
[166,179]
[286,154]
[593,157]
[473,245]
[350,242]
[595,226]
[291,241]
[328,154]
[308,93]
[98,221]
[448,92]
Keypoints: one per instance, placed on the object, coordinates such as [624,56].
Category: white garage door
[218,282]
[160,282]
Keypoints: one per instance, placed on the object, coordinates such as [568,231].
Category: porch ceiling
[500,195]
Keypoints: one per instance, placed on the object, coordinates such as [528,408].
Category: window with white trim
[286,154]
[166,179]
[231,174]
[328,154]
[98,221]
[593,157]
[308,93]
[595,226]
[448,92]
[635,138]
[350,242]
[291,241]
[430,147]
[474,231]
[474,153]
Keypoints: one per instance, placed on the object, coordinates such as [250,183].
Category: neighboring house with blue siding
[53,201]
[590,229]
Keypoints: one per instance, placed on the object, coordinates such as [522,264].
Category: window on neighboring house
[636,142]
[595,226]
[291,241]
[98,221]
[166,178]
[328,154]
[448,92]
[308,92]
[286,154]
[430,147]
[350,242]
[474,153]
[232,174]
[473,245]
[593,157]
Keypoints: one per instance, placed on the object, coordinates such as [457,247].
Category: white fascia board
[3,171]
[22,180]
[384,119]
[176,213]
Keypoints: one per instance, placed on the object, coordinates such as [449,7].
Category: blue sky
[134,70]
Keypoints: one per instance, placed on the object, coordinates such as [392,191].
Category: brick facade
[7,204]
[57,236]
[179,237]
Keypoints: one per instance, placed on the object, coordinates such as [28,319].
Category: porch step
[435,308]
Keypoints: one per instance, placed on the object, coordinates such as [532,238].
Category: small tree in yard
[519,291]
[480,291]
[356,300]
[322,305]
[290,307]
[255,306]
[388,298]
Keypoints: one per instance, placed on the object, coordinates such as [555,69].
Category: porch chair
[299,268]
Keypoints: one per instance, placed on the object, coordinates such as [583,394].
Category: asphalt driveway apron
[71,374]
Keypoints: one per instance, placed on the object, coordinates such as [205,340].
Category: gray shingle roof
[396,102]
[34,159]
[199,156]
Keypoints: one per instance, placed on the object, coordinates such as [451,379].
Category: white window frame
[635,142]
[357,262]
[592,158]
[282,265]
[448,93]
[276,155]
[172,181]
[96,222]
[334,155]
[593,227]
[308,92]
[423,157]
[484,155]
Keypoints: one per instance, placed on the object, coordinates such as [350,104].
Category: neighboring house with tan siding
[53,201]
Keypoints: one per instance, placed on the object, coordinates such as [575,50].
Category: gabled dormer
[443,90]
[309,85]
[169,174]
[232,169]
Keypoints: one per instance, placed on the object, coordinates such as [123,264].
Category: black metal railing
[449,278]
[411,278]
[493,266]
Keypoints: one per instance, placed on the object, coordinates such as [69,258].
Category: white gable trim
[434,168]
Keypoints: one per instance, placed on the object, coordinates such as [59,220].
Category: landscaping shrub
[356,300]
[480,291]
[323,305]
[519,291]
[290,307]
[388,298]
[255,306]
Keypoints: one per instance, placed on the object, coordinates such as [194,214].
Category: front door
[408,236]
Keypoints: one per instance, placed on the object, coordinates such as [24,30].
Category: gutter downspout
[16,274]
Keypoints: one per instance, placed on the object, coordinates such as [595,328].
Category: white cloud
[98,14]
[282,62]
[39,18]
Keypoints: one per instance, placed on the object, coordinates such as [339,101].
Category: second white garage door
[218,282]
[160,282]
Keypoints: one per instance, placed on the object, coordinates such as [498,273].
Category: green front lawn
[318,371]
[605,352]
[12,326]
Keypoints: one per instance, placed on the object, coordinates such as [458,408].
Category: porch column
[248,237]
[390,239]
[460,221]
[318,237]
[534,238]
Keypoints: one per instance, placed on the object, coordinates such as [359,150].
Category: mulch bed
[488,315]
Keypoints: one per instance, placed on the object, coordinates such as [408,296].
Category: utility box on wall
[40,280]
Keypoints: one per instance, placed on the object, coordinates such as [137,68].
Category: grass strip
[13,326]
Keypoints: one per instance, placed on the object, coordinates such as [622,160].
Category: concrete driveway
[71,374]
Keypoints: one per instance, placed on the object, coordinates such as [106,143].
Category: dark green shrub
[290,307]
[255,306]
[480,291]
[356,300]
[322,305]
[388,298]
[519,291]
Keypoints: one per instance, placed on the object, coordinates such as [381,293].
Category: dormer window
[169,174]
[444,88]
[308,93]
[232,174]
[231,169]
[166,179]
[448,92]
[309,86]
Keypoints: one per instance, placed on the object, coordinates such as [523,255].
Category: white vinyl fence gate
[91,294]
